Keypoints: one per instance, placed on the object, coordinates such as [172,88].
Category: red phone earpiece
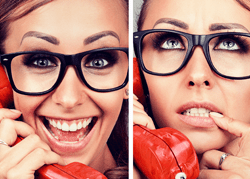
[137,83]
[164,153]
[6,96]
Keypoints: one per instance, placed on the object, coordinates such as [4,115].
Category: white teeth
[202,112]
[76,125]
[58,125]
[53,123]
[73,127]
[65,127]
[84,124]
[79,125]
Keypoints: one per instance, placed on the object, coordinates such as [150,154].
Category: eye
[101,60]
[40,61]
[228,44]
[43,63]
[171,43]
[98,63]
[167,41]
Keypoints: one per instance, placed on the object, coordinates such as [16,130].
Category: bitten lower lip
[197,121]
[62,147]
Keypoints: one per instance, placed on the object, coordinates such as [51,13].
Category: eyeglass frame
[193,41]
[66,60]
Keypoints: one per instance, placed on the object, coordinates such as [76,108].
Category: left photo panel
[64,89]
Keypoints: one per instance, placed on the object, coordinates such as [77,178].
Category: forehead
[68,19]
[197,14]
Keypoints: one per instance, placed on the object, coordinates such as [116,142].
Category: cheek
[238,100]
[110,104]
[28,105]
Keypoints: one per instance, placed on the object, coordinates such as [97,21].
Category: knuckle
[230,121]
[12,174]
[39,152]
[6,122]
[34,138]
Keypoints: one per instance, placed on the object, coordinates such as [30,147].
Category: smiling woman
[194,60]
[63,68]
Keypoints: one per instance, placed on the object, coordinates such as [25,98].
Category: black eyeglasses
[40,72]
[165,52]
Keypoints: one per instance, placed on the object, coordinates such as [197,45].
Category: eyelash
[110,57]
[244,47]
[161,37]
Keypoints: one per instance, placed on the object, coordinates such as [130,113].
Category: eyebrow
[222,26]
[174,22]
[212,27]
[40,35]
[55,41]
[99,35]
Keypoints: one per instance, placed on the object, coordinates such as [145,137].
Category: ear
[126,92]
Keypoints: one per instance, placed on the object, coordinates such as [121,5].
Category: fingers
[27,167]
[23,149]
[140,116]
[9,129]
[215,174]
[231,166]
[9,114]
[211,159]
[144,120]
[26,156]
[231,125]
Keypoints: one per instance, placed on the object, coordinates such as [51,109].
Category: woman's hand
[140,116]
[236,165]
[23,159]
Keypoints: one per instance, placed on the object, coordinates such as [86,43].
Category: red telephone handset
[162,153]
[54,171]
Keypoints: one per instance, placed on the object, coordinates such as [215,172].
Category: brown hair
[11,10]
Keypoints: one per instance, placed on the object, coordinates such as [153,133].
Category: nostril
[191,83]
[206,83]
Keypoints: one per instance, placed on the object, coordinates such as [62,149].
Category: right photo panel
[191,71]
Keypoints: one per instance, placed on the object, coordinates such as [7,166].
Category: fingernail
[15,111]
[215,114]
[135,97]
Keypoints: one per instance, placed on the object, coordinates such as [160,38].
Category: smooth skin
[231,97]
[70,23]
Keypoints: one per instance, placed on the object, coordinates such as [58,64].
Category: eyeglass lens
[164,52]
[39,72]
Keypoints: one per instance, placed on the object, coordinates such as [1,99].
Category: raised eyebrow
[40,35]
[172,21]
[100,35]
[224,26]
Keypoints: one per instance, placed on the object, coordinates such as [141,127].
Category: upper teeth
[203,112]
[64,126]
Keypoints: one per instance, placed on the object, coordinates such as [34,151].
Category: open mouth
[199,112]
[69,131]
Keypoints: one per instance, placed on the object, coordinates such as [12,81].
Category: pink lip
[61,147]
[197,121]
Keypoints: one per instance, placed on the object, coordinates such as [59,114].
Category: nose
[70,93]
[198,71]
